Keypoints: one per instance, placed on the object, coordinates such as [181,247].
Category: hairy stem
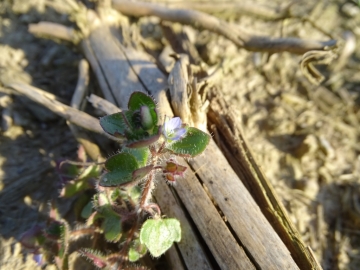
[161,148]
[129,238]
[145,196]
[149,184]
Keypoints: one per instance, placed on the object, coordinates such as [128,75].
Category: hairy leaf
[142,172]
[138,100]
[143,142]
[141,154]
[192,144]
[159,234]
[136,251]
[114,124]
[87,210]
[112,228]
[120,167]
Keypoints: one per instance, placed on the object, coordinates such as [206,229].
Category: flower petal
[38,258]
[178,134]
[172,124]
[173,129]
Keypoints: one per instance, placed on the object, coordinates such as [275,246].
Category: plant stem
[161,148]
[149,184]
[130,237]
[146,191]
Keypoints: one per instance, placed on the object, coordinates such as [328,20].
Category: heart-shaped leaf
[158,235]
[192,144]
[120,167]
[114,124]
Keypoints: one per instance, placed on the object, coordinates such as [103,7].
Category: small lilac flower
[38,258]
[173,129]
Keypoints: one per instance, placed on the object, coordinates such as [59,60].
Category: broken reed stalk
[234,146]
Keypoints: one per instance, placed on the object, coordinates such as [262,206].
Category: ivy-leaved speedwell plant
[121,209]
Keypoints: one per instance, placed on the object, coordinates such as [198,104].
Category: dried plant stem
[73,115]
[54,30]
[103,105]
[237,35]
[231,8]
[76,102]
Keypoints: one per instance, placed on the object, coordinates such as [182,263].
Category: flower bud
[145,118]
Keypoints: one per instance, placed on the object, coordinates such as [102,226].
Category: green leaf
[132,120]
[116,193]
[121,161]
[135,133]
[136,251]
[146,141]
[120,167]
[133,255]
[81,203]
[102,200]
[73,187]
[87,210]
[193,144]
[112,228]
[142,172]
[141,154]
[115,178]
[53,230]
[135,193]
[64,243]
[139,99]
[81,183]
[93,217]
[159,234]
[114,124]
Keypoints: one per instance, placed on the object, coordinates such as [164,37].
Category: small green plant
[121,210]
